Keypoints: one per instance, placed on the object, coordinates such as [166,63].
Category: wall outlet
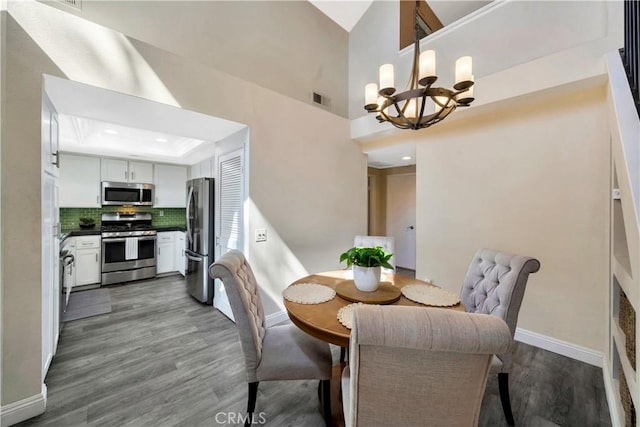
[261,235]
[161,213]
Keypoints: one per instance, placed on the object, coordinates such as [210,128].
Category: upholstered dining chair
[418,366]
[280,352]
[495,284]
[388,243]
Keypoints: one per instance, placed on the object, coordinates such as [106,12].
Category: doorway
[401,217]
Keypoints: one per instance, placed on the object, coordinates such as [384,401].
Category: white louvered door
[231,219]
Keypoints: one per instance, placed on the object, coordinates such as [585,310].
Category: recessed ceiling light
[161,139]
[111,131]
[406,158]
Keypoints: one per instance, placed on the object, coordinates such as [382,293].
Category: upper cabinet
[170,186]
[204,169]
[117,170]
[79,181]
[50,138]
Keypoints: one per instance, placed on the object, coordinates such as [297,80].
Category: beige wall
[307,179]
[530,179]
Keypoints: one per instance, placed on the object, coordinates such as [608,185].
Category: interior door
[231,196]
[401,217]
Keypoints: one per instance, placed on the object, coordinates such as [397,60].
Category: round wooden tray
[385,294]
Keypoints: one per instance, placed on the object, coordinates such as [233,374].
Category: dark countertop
[171,228]
[96,231]
[79,232]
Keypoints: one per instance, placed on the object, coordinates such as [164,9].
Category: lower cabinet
[87,260]
[165,260]
[179,252]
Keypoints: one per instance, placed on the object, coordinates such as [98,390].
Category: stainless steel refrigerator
[200,239]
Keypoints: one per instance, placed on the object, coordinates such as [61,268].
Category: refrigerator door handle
[189,237]
[192,258]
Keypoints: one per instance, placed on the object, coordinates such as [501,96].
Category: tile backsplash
[70,217]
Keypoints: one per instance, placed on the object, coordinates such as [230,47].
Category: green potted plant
[87,222]
[366,264]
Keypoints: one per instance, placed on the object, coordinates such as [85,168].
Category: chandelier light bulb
[442,102]
[427,66]
[386,79]
[463,70]
[412,108]
[371,94]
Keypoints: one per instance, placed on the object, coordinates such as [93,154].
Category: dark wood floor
[162,359]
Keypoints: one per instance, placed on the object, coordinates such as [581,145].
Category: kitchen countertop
[79,232]
[171,228]
[96,231]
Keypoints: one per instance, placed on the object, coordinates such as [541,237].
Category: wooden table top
[321,320]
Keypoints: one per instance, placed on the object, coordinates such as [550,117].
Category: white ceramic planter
[366,279]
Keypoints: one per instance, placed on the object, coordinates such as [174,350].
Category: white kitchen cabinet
[179,252]
[50,138]
[50,226]
[87,260]
[204,169]
[165,260]
[118,170]
[79,181]
[170,186]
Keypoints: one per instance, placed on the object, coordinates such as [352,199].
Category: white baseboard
[15,412]
[615,407]
[564,348]
[276,318]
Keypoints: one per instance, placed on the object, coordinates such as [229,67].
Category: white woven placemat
[345,314]
[309,293]
[429,295]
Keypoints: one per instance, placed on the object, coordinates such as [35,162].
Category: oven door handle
[124,239]
[113,239]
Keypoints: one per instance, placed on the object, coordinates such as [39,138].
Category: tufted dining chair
[388,243]
[281,352]
[495,284]
[418,366]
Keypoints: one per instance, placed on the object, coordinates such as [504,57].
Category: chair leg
[325,401]
[251,404]
[503,385]
[342,354]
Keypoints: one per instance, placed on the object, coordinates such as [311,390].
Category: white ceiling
[347,13]
[105,123]
[392,156]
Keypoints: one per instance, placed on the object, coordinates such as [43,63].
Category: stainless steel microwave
[126,193]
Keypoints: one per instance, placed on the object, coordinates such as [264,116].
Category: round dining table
[321,320]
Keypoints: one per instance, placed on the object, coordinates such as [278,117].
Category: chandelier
[421,105]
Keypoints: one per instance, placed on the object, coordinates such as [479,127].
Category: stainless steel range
[128,247]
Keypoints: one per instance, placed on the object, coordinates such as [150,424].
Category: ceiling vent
[76,4]
[321,100]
